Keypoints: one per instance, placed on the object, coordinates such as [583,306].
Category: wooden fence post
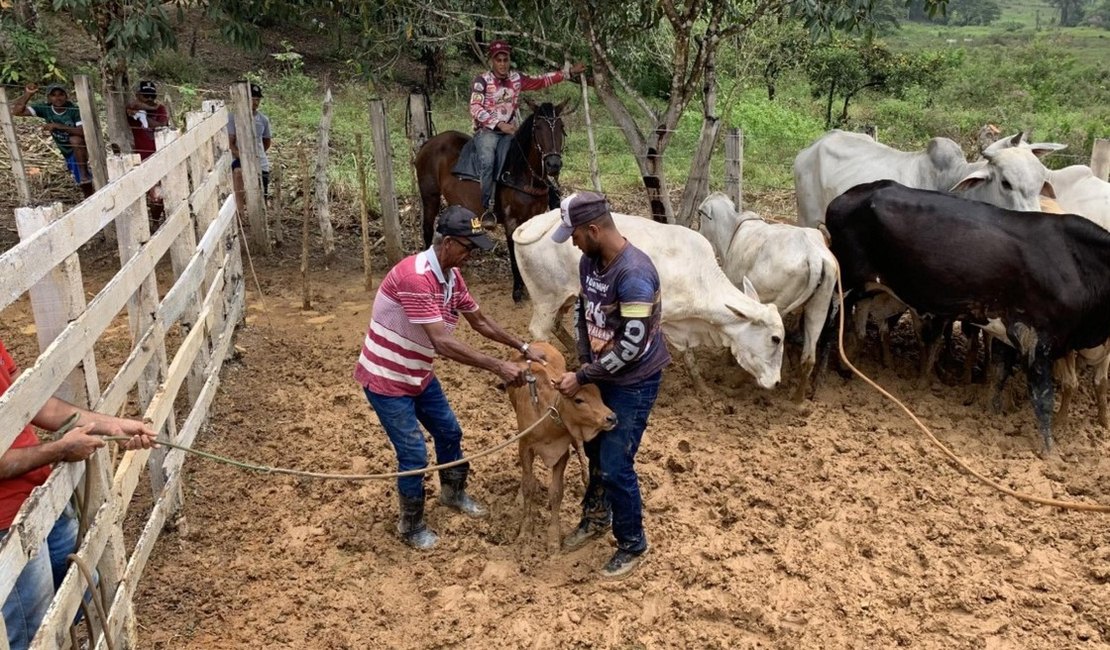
[383,159]
[248,145]
[595,175]
[420,120]
[56,300]
[94,138]
[734,166]
[364,213]
[14,151]
[1100,158]
[323,211]
[116,94]
[175,196]
[133,227]
[306,293]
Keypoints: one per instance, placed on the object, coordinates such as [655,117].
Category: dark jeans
[401,418]
[236,164]
[485,144]
[613,486]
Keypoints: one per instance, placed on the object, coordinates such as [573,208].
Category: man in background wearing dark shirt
[621,346]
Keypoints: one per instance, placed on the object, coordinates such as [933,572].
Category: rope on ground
[266,469]
[1021,496]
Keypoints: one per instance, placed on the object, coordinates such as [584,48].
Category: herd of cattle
[928,232]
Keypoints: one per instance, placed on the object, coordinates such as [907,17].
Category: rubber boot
[452,483]
[411,526]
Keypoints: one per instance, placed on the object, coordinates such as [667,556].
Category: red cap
[497,47]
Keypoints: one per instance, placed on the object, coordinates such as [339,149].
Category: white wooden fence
[204,304]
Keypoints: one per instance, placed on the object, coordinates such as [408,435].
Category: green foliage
[25,56]
[844,68]
[171,65]
[959,12]
[1100,15]
[124,30]
[973,12]
[1071,12]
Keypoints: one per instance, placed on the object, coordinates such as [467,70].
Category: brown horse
[527,185]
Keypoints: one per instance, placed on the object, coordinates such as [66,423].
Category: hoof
[518,296]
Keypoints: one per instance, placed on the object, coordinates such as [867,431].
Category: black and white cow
[1041,282]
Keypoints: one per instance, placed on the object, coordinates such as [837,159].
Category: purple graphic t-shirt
[620,338]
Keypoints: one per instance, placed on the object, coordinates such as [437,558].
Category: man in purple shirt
[622,350]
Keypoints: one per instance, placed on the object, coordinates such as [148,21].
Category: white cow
[700,306]
[1012,175]
[790,267]
[1079,191]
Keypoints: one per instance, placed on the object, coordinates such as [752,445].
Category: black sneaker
[586,531]
[622,564]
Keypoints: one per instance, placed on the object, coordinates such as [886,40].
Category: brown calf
[574,420]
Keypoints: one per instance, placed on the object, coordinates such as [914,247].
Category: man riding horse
[494,97]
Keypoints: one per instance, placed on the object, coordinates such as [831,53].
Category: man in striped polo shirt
[415,313]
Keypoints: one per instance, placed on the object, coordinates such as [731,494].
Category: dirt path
[834,526]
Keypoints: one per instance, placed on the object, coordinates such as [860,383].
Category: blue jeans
[34,589]
[613,486]
[485,144]
[401,418]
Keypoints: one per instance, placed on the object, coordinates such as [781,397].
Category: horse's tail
[536,228]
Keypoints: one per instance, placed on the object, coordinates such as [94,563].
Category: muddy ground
[834,525]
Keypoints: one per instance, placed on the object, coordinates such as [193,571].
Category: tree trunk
[26,14]
[655,182]
[844,111]
[116,94]
[697,181]
[828,105]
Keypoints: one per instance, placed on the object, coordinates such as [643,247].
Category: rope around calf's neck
[266,469]
[1021,496]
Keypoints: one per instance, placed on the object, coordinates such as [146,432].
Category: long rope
[98,603]
[266,469]
[1057,503]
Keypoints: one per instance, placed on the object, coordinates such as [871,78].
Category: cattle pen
[180,336]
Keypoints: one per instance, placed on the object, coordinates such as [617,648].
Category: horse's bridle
[542,176]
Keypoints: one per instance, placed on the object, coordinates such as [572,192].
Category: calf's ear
[975,178]
[1042,149]
[749,290]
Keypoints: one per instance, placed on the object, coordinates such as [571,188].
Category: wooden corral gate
[199,312]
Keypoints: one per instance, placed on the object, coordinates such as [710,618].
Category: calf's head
[754,333]
[583,414]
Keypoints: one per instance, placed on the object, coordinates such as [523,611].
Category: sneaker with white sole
[622,564]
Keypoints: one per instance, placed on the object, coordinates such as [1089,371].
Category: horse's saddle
[467,167]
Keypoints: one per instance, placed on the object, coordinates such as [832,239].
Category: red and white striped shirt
[397,354]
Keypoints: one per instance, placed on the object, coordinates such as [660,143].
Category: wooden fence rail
[204,304]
